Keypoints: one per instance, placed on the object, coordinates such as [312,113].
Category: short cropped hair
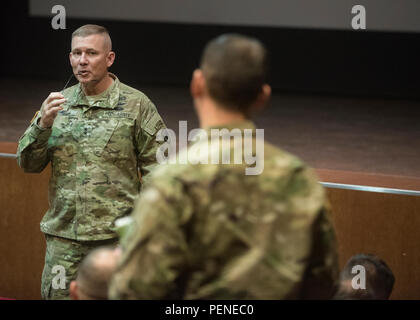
[95,272]
[379,279]
[235,68]
[90,29]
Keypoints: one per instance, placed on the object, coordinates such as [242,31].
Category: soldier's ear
[265,94]
[261,100]
[73,290]
[198,84]
[110,58]
[263,97]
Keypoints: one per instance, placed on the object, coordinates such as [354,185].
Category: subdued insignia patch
[154,124]
[36,113]
[122,100]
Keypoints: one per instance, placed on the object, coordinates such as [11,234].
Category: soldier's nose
[83,59]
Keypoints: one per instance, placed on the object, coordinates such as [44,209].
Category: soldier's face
[90,58]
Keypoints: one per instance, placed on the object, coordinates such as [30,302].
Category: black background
[354,63]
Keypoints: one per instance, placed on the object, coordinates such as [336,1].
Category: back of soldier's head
[95,272]
[235,69]
[379,279]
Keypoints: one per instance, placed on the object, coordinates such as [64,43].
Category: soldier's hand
[51,106]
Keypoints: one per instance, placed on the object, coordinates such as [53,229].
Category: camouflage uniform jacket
[208,231]
[95,153]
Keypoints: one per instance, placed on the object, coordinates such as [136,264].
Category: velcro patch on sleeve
[154,124]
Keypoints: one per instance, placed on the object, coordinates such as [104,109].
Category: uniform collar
[241,125]
[109,101]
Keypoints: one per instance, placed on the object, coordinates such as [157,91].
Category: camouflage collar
[109,101]
[241,125]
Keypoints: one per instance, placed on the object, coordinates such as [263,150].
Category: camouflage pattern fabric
[95,152]
[208,231]
[68,254]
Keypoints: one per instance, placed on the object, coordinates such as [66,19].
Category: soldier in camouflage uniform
[208,231]
[97,135]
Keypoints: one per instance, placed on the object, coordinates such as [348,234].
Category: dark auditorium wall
[380,64]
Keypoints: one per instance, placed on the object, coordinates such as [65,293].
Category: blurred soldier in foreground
[210,231]
[365,277]
[97,135]
[94,274]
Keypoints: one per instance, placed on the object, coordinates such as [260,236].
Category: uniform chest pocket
[98,134]
[120,144]
[62,133]
[61,144]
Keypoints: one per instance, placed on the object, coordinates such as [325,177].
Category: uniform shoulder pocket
[154,124]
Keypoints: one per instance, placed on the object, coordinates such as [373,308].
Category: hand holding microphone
[51,106]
